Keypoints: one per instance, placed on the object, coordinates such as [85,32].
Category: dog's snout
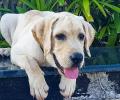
[76,58]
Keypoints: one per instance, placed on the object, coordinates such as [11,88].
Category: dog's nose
[76,58]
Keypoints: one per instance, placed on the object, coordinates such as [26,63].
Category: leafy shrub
[3,44]
[103,14]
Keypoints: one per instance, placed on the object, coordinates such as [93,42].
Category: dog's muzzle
[76,59]
[71,73]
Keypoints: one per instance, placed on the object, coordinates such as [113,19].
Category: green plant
[103,14]
[42,5]
[3,44]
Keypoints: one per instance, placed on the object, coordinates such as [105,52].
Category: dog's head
[63,38]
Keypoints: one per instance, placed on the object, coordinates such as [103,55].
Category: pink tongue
[71,73]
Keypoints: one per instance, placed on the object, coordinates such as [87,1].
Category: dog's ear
[42,32]
[89,35]
[48,30]
[38,31]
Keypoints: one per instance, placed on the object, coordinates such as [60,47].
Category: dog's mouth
[71,73]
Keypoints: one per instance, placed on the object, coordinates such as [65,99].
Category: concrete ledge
[4,51]
[98,80]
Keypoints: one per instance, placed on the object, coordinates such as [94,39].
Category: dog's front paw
[67,86]
[38,88]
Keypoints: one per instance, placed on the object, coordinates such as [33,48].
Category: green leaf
[6,10]
[29,4]
[53,5]
[42,5]
[86,5]
[77,11]
[89,18]
[71,5]
[117,22]
[112,38]
[21,10]
[4,44]
[115,8]
[86,11]
[61,2]
[33,2]
[38,4]
[100,7]
[102,32]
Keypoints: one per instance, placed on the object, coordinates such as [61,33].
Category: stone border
[5,51]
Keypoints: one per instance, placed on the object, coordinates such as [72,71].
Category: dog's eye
[60,36]
[81,36]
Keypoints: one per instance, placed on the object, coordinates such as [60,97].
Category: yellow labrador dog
[43,37]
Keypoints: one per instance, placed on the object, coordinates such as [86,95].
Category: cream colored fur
[26,32]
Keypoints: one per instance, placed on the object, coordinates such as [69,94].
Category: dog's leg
[67,86]
[38,85]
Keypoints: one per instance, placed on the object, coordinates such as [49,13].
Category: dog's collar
[57,63]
